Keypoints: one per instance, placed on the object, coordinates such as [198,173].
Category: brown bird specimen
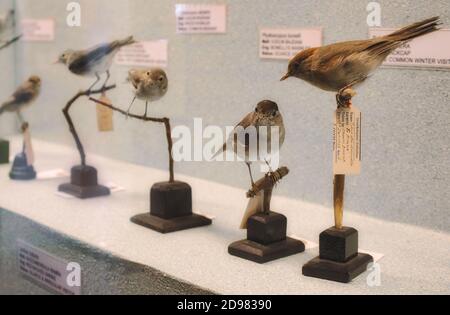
[341,66]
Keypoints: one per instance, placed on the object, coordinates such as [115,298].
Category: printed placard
[347,142]
[104,115]
[201,18]
[429,51]
[38,30]
[286,43]
[144,54]
[51,272]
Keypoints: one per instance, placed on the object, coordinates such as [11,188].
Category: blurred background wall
[7,68]
[406,131]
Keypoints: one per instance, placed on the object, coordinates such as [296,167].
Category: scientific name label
[144,54]
[286,43]
[201,18]
[38,30]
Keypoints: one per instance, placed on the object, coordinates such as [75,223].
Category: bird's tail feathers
[417,29]
[221,151]
[124,42]
[385,45]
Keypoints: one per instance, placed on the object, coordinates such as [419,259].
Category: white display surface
[416,259]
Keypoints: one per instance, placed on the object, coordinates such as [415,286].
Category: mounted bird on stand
[340,68]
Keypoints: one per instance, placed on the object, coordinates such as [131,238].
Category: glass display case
[207,147]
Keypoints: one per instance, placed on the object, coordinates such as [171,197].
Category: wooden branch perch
[165,121]
[268,181]
[70,122]
[10,42]
[338,199]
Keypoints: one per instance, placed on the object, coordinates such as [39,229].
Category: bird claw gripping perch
[268,182]
[344,97]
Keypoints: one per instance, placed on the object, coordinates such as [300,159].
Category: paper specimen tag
[347,142]
[286,43]
[38,30]
[51,272]
[28,147]
[144,54]
[104,115]
[201,18]
[52,174]
[429,51]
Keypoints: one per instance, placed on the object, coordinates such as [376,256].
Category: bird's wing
[90,57]
[330,56]
[244,123]
[24,94]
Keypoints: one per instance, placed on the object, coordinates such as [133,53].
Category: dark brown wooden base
[4,151]
[83,184]
[261,254]
[337,271]
[170,209]
[170,225]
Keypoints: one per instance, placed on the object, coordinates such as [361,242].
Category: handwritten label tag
[347,142]
[286,43]
[201,18]
[38,30]
[429,51]
[144,54]
[104,115]
[51,272]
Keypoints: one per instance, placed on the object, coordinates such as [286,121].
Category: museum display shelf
[415,259]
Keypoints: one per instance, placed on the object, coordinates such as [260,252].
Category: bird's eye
[256,109]
[274,114]
[161,79]
[148,73]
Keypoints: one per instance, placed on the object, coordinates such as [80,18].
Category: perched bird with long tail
[341,66]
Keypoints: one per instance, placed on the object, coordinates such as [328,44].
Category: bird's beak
[286,76]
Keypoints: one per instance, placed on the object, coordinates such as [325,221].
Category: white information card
[429,51]
[38,30]
[201,18]
[144,54]
[51,272]
[286,43]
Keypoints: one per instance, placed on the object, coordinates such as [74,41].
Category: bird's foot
[344,97]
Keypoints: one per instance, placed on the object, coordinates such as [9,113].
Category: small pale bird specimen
[22,97]
[266,115]
[341,66]
[93,61]
[149,85]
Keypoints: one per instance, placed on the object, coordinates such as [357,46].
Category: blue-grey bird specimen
[93,62]
[341,66]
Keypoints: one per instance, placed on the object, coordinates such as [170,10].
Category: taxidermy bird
[149,85]
[93,61]
[266,115]
[341,66]
[22,97]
